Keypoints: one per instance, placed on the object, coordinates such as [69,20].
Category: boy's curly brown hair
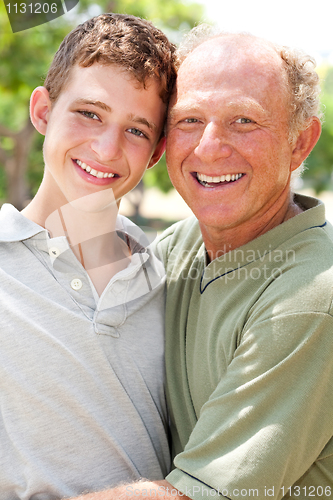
[133,43]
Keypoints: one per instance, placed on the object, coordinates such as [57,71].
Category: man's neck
[220,241]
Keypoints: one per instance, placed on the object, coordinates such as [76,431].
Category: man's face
[102,132]
[228,152]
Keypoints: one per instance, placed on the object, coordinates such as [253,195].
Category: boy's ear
[159,150]
[40,108]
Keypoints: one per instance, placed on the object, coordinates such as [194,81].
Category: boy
[81,361]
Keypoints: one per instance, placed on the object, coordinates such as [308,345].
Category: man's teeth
[206,179]
[92,171]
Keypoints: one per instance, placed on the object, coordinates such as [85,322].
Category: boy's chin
[96,202]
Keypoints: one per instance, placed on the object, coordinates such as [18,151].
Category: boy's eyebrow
[92,102]
[105,107]
[143,121]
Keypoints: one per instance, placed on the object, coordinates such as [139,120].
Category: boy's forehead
[110,88]
[88,78]
[85,74]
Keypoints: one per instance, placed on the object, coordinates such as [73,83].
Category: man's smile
[209,181]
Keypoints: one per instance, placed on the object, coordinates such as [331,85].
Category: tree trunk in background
[16,163]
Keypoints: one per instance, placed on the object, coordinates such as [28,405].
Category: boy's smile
[95,173]
[103,131]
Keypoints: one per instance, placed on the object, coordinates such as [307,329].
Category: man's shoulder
[299,274]
[185,234]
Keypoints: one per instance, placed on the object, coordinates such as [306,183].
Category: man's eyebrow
[244,104]
[143,121]
[183,108]
[247,104]
[92,102]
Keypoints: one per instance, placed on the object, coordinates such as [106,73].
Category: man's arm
[143,490]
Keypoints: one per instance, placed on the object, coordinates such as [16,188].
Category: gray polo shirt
[81,377]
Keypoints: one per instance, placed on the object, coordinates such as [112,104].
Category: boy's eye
[137,132]
[89,114]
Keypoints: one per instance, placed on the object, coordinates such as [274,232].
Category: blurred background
[25,57]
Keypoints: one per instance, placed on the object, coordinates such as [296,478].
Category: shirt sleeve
[270,416]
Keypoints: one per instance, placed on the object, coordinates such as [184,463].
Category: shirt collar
[15,227]
[313,216]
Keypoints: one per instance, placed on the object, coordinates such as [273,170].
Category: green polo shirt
[249,359]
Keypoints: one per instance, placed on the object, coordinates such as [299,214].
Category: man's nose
[213,144]
[107,145]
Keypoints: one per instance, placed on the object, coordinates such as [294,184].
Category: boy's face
[103,132]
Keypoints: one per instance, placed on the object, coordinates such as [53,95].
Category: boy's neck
[89,225]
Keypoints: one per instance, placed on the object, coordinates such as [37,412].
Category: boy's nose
[107,145]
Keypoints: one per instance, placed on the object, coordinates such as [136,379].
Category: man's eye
[137,132]
[89,114]
[191,120]
[244,120]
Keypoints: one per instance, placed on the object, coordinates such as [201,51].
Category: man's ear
[40,108]
[159,150]
[305,143]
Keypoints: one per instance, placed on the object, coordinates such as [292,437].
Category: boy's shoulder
[14,226]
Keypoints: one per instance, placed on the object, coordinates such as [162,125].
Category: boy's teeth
[92,171]
[215,180]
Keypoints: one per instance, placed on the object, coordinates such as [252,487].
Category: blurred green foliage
[24,58]
[319,172]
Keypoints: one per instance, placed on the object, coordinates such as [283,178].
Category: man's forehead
[224,61]
[232,52]
[216,75]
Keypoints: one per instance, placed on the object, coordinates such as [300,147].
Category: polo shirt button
[54,252]
[76,284]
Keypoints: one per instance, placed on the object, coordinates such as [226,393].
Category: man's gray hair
[302,79]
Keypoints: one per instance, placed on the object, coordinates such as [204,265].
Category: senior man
[249,348]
